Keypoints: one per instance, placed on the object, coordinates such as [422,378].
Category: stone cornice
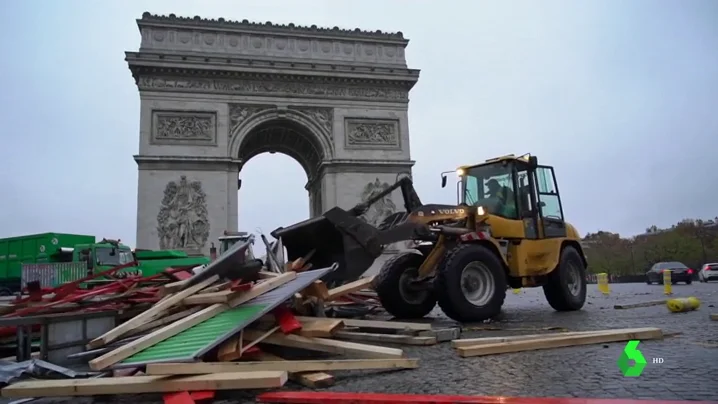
[187,163]
[203,64]
[178,80]
[268,27]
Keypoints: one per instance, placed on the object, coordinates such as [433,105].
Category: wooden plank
[642,304]
[317,289]
[172,287]
[222,286]
[281,365]
[230,350]
[267,275]
[350,287]
[312,380]
[222,296]
[262,288]
[162,334]
[385,338]
[457,343]
[387,325]
[148,314]
[322,328]
[560,342]
[714,317]
[328,345]
[145,384]
[163,321]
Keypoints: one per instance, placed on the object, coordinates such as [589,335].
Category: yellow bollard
[683,304]
[517,291]
[603,287]
[667,283]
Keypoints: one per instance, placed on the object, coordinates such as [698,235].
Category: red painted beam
[304,397]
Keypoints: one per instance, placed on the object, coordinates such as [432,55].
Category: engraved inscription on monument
[183,222]
[191,128]
[273,88]
[373,133]
[382,208]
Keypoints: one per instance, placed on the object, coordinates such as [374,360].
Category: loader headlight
[480,211]
[460,172]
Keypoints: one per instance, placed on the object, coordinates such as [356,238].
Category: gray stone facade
[215,93]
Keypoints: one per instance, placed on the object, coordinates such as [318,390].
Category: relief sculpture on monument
[382,208]
[371,132]
[182,223]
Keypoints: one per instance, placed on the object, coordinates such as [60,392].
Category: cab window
[492,187]
[548,194]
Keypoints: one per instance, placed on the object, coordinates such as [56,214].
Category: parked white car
[708,272]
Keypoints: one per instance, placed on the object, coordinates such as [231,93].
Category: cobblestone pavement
[587,371]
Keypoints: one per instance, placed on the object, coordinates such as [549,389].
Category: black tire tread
[444,290]
[386,287]
[553,288]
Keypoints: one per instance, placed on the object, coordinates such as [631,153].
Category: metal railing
[51,275]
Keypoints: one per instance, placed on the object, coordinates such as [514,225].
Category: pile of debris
[216,330]
[112,290]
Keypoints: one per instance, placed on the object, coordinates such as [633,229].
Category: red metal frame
[310,397]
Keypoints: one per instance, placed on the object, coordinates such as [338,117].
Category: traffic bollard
[667,283]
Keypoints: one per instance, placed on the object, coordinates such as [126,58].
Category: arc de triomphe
[215,93]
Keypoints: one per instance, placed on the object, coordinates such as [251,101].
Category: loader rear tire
[471,283]
[566,286]
[391,288]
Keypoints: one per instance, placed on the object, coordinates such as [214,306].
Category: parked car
[709,272]
[679,273]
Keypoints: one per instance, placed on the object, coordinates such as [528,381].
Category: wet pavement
[690,360]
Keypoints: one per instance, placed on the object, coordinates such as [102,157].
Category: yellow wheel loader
[507,231]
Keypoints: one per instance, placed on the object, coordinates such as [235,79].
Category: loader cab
[515,188]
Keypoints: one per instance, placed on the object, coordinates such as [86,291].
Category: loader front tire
[471,283]
[395,295]
[566,286]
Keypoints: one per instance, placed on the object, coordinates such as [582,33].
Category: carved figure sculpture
[382,208]
[182,222]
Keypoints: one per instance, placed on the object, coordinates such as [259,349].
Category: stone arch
[214,93]
[312,135]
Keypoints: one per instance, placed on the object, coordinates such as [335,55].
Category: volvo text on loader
[507,230]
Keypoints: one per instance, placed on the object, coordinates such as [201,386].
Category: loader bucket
[336,237]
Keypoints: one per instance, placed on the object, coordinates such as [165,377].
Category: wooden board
[377,324]
[149,314]
[560,342]
[281,365]
[222,296]
[385,338]
[145,384]
[327,345]
[312,380]
[457,343]
[642,304]
[321,327]
[714,317]
[163,321]
[350,287]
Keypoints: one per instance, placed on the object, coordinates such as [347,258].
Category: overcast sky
[620,96]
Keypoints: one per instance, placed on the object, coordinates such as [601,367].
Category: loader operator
[501,198]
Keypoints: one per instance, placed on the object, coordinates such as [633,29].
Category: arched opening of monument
[280,185]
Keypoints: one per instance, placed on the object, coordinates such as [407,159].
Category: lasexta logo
[631,353]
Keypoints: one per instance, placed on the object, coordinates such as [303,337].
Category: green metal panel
[186,343]
[34,248]
[160,254]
